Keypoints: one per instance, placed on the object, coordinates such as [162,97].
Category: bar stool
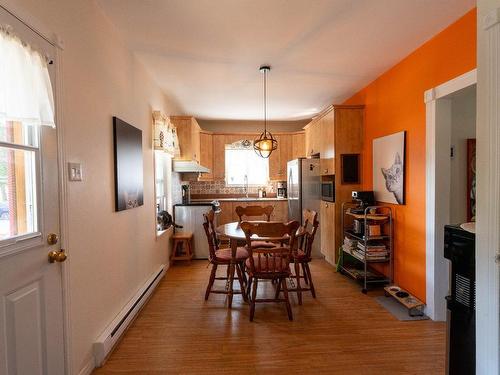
[182,248]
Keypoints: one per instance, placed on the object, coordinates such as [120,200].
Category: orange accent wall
[395,102]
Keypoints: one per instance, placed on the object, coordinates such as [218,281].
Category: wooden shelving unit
[360,250]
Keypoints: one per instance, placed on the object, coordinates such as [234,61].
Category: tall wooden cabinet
[337,132]
[348,139]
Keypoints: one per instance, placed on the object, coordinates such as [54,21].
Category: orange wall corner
[395,102]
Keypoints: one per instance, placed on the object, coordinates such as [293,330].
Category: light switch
[75,172]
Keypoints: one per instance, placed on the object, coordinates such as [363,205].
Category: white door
[31,313]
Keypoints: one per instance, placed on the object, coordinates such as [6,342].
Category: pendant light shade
[266,143]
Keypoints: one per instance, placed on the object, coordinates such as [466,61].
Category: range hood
[189,166]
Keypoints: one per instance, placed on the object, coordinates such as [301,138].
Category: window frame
[226,174]
[22,242]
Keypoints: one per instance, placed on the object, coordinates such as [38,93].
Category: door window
[26,103]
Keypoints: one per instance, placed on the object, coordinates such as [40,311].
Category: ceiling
[205,54]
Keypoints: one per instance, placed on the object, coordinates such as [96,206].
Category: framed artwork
[128,165]
[389,168]
[471,179]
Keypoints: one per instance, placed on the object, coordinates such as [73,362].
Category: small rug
[396,309]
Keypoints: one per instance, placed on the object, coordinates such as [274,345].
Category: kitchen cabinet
[280,157]
[327,143]
[328,228]
[188,132]
[226,213]
[335,132]
[280,212]
[313,138]
[219,156]
[348,140]
[206,155]
[298,145]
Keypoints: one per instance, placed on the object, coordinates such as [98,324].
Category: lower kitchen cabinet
[226,213]
[327,223]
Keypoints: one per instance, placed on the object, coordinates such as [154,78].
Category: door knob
[52,238]
[57,256]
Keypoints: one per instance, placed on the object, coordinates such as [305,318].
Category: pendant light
[266,143]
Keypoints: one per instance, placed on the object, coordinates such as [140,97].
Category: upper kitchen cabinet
[327,143]
[298,145]
[207,155]
[188,132]
[219,156]
[313,138]
[280,157]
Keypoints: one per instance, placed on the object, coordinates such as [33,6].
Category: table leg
[234,246]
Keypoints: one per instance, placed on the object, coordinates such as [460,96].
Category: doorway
[450,124]
[32,319]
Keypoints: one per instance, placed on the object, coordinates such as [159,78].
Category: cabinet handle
[326,205]
[326,171]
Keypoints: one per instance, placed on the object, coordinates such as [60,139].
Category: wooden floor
[341,332]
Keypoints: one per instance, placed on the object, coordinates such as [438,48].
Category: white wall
[463,127]
[110,253]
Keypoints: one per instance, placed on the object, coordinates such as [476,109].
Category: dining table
[235,234]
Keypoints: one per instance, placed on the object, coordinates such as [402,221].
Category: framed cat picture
[389,168]
[128,165]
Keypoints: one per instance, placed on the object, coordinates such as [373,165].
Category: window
[241,161]
[26,103]
[18,161]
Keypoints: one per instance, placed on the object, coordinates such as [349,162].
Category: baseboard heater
[107,340]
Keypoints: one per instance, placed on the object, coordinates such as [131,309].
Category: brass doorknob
[52,238]
[57,256]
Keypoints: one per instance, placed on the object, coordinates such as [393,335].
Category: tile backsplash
[220,188]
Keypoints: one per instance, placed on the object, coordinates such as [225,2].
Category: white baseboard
[110,336]
[88,367]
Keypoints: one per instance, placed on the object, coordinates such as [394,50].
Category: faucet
[246,185]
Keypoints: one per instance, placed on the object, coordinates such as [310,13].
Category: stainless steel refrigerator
[304,192]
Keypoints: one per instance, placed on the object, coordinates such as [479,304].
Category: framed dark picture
[128,165]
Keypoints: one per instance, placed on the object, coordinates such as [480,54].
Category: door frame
[46,33]
[488,190]
[437,210]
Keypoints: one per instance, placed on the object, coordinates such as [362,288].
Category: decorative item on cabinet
[165,135]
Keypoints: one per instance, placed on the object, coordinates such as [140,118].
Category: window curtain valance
[25,88]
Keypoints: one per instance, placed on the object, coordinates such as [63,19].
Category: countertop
[250,199]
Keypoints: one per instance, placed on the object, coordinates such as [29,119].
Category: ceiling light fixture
[266,143]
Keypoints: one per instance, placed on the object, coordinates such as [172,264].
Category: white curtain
[25,88]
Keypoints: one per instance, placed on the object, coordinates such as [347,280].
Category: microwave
[328,191]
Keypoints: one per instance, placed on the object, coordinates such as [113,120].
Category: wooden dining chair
[256,212]
[223,257]
[301,256]
[269,263]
